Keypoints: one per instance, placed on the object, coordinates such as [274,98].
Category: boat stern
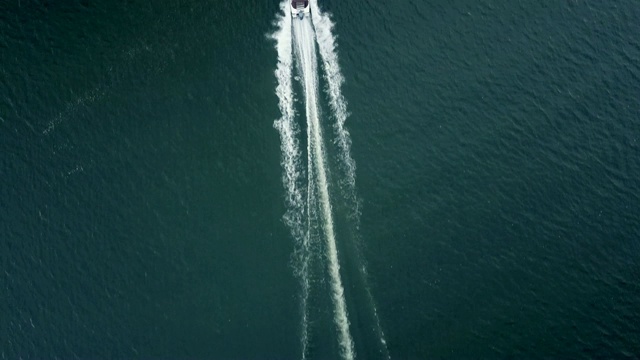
[299,8]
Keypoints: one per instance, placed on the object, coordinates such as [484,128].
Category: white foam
[292,175]
[304,39]
[327,45]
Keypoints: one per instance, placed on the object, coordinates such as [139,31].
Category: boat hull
[300,8]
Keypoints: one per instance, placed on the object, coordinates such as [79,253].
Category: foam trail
[291,178]
[312,219]
[306,53]
[326,43]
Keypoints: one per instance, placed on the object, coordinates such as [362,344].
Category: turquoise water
[497,182]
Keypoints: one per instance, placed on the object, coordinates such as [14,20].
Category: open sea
[190,179]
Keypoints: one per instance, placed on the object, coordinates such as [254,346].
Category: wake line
[286,126]
[310,206]
[323,27]
[326,43]
[304,38]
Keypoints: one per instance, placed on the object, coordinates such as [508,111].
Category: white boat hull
[299,8]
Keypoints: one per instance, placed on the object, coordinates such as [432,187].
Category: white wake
[323,27]
[311,205]
[304,40]
[326,43]
[291,164]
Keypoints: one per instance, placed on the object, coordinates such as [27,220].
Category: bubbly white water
[305,48]
[323,27]
[291,163]
[311,206]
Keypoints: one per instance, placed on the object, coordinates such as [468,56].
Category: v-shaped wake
[311,205]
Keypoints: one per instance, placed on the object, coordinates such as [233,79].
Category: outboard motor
[301,15]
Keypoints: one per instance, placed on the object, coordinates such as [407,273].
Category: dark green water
[141,199]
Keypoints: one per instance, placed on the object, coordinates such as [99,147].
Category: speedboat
[299,8]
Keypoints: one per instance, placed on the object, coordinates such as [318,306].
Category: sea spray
[304,39]
[326,43]
[292,175]
[310,206]
[323,27]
